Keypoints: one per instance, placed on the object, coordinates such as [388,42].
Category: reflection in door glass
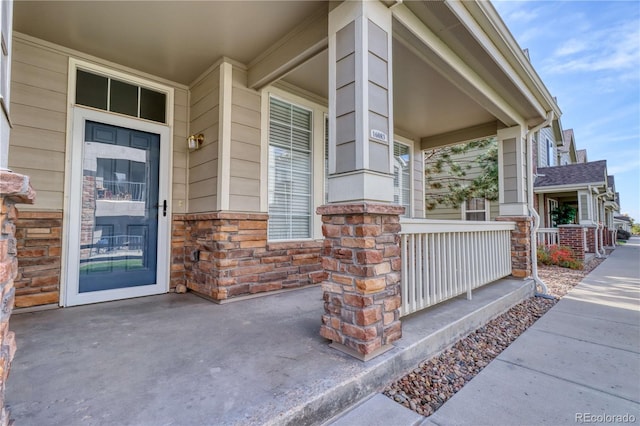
[119,208]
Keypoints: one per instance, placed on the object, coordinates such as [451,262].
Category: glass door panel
[119,218]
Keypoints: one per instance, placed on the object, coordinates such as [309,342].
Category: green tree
[564,214]
[448,180]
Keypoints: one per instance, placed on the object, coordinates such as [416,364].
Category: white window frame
[550,154]
[6,28]
[487,210]
[550,207]
[76,114]
[410,144]
[317,154]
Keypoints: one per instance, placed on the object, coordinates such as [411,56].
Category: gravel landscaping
[435,380]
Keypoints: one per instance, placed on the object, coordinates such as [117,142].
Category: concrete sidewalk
[580,363]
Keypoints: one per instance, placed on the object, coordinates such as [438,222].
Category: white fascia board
[564,188]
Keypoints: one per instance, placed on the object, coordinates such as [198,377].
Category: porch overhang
[489,82]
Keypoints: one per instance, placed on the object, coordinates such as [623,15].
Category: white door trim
[71,294]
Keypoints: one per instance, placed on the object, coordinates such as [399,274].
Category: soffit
[175,40]
[442,21]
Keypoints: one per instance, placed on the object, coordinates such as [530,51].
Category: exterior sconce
[195,141]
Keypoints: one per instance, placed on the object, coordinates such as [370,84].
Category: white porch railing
[442,259]
[548,236]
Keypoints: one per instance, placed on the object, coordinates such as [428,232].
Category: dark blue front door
[119,220]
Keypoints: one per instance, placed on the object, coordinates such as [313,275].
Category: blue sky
[588,55]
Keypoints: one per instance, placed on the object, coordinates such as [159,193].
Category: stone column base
[520,245]
[14,188]
[362,288]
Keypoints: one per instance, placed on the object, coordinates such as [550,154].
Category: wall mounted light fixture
[195,141]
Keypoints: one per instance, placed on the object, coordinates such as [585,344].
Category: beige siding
[203,163]
[180,151]
[449,213]
[244,183]
[39,114]
[418,181]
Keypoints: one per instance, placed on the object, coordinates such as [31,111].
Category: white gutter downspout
[536,217]
[600,232]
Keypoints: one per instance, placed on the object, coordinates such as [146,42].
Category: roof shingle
[572,174]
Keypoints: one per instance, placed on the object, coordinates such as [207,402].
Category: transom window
[108,94]
[476,209]
[402,176]
[289,182]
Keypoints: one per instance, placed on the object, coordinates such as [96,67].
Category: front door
[119,211]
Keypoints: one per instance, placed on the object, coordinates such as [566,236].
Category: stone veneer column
[14,188]
[572,236]
[362,288]
[520,245]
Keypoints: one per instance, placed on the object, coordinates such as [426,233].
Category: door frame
[71,295]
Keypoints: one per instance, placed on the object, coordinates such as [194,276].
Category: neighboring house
[581,156]
[549,142]
[567,150]
[589,190]
[172,148]
[622,222]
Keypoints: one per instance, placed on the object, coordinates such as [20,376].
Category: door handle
[164,207]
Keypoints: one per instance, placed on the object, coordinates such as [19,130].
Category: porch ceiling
[425,102]
[174,40]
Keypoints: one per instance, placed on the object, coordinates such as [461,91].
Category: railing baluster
[444,259]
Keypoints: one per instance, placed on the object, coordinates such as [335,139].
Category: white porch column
[360,103]
[512,171]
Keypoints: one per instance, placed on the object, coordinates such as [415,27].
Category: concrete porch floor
[181,360]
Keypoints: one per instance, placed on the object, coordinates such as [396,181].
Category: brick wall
[224,254]
[572,236]
[39,239]
[14,188]
[591,242]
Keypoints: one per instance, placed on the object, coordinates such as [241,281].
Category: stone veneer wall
[362,289]
[14,188]
[572,236]
[39,238]
[224,254]
[520,245]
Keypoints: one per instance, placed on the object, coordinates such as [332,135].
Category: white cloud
[610,49]
[570,47]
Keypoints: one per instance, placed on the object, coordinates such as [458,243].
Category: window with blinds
[402,176]
[584,207]
[290,194]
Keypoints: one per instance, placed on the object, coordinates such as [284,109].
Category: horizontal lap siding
[180,152]
[450,213]
[418,183]
[244,184]
[39,114]
[203,163]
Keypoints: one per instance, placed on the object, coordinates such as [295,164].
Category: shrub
[558,255]
[623,235]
